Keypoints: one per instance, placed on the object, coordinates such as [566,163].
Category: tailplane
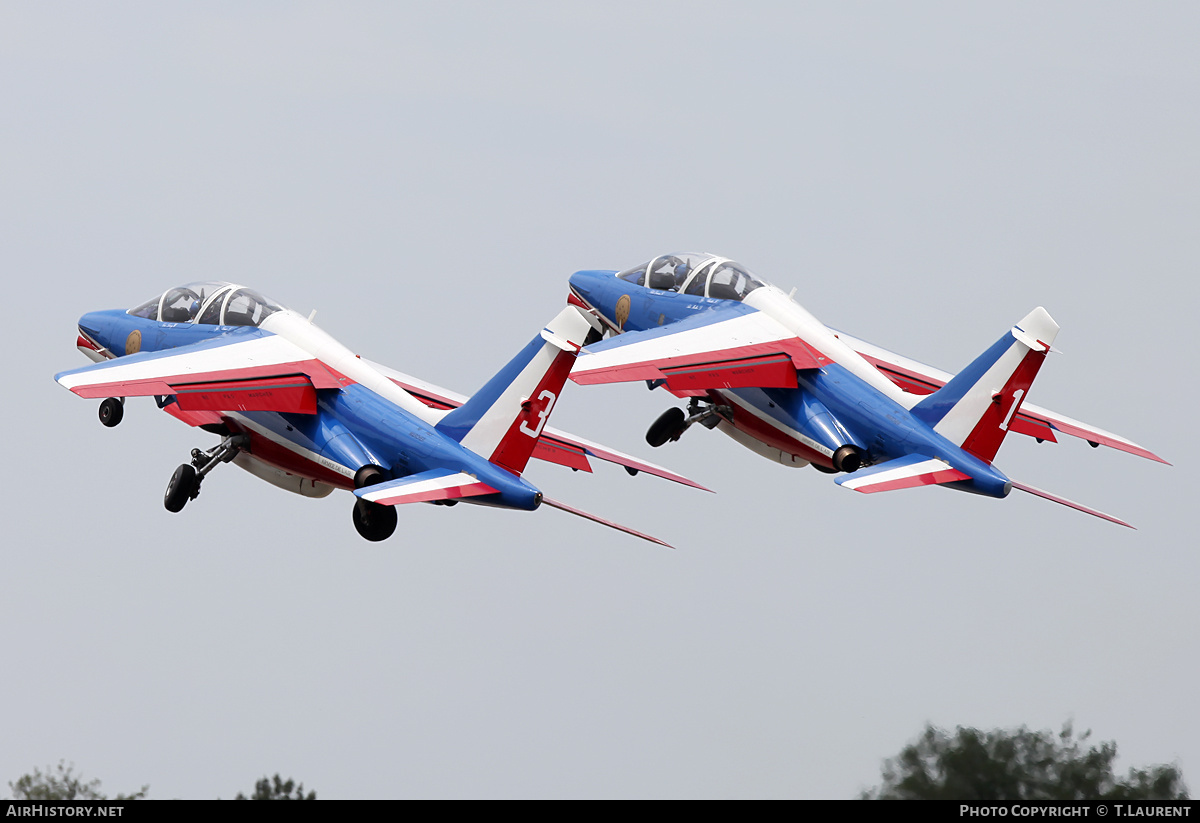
[505,418]
[975,408]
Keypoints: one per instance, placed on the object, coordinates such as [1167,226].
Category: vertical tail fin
[505,418]
[975,408]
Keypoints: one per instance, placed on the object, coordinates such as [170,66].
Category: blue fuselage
[830,407]
[354,426]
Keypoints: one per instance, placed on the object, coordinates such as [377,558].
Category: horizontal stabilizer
[438,484]
[903,473]
[580,513]
[1071,503]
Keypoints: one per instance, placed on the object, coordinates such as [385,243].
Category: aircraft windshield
[704,275]
[211,302]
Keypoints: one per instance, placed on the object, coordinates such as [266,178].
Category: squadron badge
[622,311]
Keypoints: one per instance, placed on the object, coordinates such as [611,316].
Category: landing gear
[672,423]
[184,486]
[668,426]
[185,482]
[111,411]
[373,521]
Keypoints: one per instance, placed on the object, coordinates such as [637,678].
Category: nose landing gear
[185,482]
[673,422]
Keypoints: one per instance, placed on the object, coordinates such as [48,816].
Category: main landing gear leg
[185,482]
[673,422]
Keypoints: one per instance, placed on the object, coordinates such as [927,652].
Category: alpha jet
[752,363]
[296,408]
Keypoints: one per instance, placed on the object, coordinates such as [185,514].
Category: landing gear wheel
[183,487]
[668,426]
[374,521]
[111,412]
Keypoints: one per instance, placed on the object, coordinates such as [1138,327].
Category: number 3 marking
[549,397]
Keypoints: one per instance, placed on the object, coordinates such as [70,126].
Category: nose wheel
[185,482]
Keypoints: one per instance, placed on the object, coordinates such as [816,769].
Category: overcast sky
[427,176]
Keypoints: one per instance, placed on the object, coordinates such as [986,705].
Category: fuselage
[365,420]
[847,402]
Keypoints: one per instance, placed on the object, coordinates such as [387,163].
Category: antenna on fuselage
[311,315]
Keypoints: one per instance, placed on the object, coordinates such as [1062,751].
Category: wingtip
[602,521]
[1071,504]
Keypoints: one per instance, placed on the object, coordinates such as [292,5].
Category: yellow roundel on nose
[133,343]
[622,311]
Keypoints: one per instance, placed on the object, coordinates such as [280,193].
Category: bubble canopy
[211,302]
[702,275]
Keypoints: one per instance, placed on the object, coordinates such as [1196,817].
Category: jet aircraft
[754,364]
[296,408]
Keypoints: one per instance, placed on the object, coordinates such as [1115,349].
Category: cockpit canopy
[703,275]
[213,303]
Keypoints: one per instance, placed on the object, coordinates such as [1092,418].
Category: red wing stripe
[287,394]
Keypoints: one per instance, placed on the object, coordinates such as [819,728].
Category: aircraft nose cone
[91,324]
[590,285]
[106,328]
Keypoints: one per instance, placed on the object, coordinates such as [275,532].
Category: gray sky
[427,177]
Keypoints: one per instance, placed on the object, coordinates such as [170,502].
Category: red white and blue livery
[754,364]
[298,409]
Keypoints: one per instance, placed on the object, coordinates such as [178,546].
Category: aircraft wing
[246,370]
[554,445]
[730,346]
[918,378]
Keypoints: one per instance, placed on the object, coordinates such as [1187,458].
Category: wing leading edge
[250,371]
[717,349]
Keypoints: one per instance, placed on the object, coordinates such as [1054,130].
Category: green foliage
[276,789]
[1018,765]
[60,783]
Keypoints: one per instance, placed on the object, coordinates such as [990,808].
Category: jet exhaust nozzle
[847,459]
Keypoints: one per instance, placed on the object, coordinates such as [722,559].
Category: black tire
[181,488]
[374,521]
[111,412]
[668,426]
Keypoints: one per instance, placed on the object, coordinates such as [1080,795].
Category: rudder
[975,408]
[505,418]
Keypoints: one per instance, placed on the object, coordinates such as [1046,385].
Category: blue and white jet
[754,364]
[296,408]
